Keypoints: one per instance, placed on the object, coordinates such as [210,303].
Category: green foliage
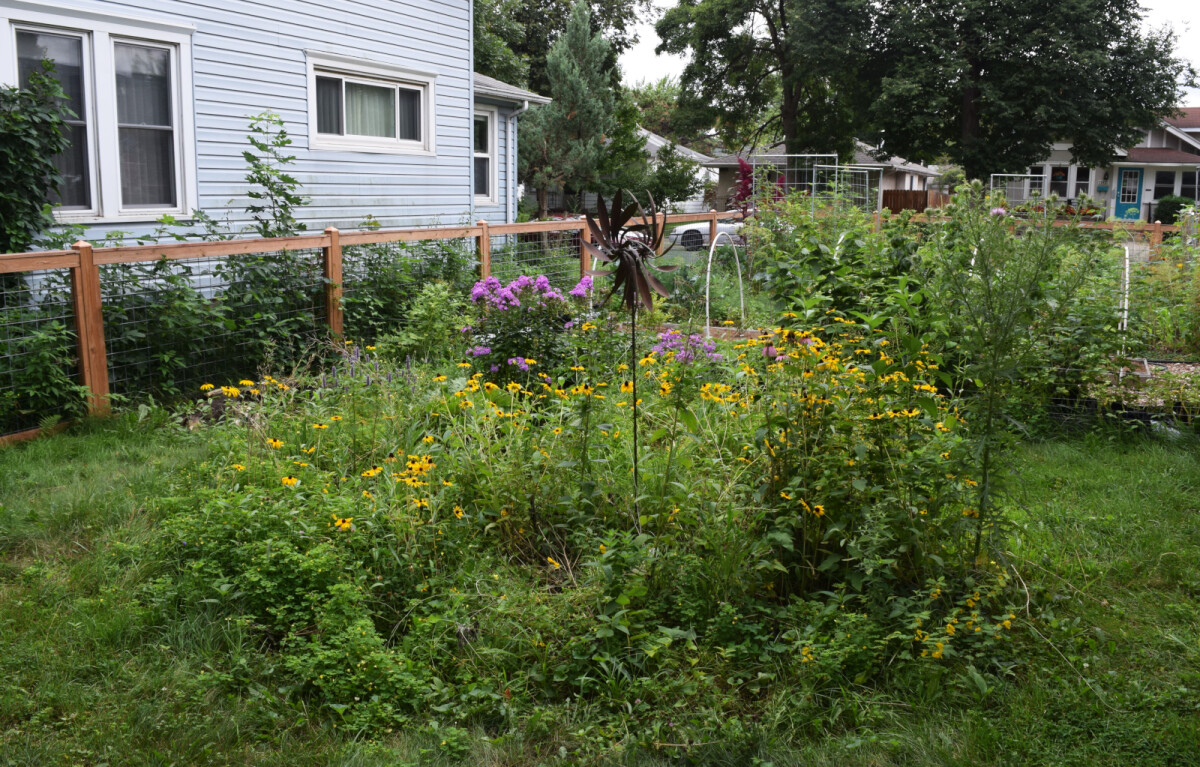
[432,329]
[673,177]
[794,70]
[1168,208]
[271,186]
[562,143]
[978,98]
[497,32]
[38,368]
[31,135]
[657,103]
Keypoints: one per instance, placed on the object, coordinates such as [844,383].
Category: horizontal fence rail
[133,319]
[128,320]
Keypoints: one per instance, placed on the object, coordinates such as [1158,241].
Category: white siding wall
[248,57]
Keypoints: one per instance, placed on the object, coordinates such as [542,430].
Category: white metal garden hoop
[712,248]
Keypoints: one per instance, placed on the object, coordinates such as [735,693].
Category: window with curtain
[350,107]
[1036,184]
[67,53]
[131,154]
[145,125]
[484,160]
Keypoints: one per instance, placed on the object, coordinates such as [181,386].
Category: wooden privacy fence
[897,200]
[87,304]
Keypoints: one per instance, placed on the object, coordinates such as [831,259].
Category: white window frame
[101,31]
[353,69]
[493,117]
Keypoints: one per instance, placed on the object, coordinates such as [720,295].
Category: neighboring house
[385,115]
[893,173]
[1166,162]
[556,200]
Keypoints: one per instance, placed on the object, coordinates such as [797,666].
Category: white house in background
[385,114]
[655,143]
[1166,162]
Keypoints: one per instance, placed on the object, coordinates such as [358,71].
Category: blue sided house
[385,113]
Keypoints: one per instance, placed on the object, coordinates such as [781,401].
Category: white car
[695,236]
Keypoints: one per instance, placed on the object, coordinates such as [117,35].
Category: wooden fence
[897,200]
[83,260]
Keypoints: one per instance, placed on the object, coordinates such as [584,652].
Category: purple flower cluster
[686,348]
[503,297]
[479,351]
[520,363]
[582,289]
[999,212]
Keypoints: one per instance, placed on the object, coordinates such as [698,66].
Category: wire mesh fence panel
[38,350]
[172,325]
[382,280]
[1020,190]
[791,173]
[554,254]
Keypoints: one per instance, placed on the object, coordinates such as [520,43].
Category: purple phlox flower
[467,329]
[519,362]
[494,368]
[569,325]
[582,288]
[479,351]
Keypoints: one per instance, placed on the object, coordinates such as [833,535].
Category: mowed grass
[1107,541]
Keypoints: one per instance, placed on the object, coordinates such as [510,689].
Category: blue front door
[1129,194]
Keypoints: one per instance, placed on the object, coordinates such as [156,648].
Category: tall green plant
[1000,284]
[32,134]
[274,189]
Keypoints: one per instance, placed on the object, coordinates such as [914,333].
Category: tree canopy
[992,84]
[793,69]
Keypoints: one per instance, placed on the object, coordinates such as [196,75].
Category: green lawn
[1108,543]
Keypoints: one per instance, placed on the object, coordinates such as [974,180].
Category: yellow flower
[513,387]
[320,426]
[784,496]
[335,418]
[275,443]
[256,392]
[439,378]
[207,387]
[970,513]
[726,322]
[447,483]
[464,365]
[290,481]
[238,467]
[245,382]
[230,391]
[603,548]
[553,563]
[557,430]
[622,367]
[458,512]
[530,362]
[421,503]
[428,439]
[626,387]
[370,348]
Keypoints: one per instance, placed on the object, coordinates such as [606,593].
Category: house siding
[249,57]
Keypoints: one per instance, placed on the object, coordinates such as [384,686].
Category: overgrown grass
[1109,546]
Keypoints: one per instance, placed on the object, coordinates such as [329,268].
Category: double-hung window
[485,156]
[1164,184]
[127,85]
[1188,186]
[366,106]
[1083,182]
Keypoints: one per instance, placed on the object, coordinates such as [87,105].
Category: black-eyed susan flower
[207,387]
[290,481]
[439,378]
[553,563]
[320,426]
[238,467]
[335,418]
[275,443]
[626,387]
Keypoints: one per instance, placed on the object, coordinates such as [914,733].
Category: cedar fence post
[712,226]
[585,258]
[89,328]
[332,265]
[1156,238]
[485,251]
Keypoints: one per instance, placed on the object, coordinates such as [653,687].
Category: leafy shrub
[433,329]
[38,368]
[32,135]
[1168,208]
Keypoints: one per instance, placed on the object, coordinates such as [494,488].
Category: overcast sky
[641,63]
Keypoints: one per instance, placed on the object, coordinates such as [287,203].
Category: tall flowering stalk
[630,249]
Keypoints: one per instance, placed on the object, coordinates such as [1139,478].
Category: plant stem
[633,373]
